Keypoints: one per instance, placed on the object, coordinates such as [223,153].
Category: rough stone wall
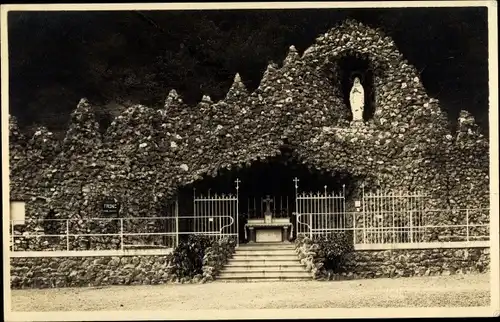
[413,262]
[393,263]
[146,154]
[48,272]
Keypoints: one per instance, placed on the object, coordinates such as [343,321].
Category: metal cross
[237,181]
[296,182]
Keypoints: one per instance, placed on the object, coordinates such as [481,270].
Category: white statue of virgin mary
[357,100]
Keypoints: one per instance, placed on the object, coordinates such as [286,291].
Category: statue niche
[357,100]
[356,80]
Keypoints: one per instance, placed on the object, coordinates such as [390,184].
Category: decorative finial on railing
[237,181]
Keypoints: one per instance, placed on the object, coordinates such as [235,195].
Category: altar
[268,229]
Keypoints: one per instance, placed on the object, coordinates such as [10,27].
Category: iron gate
[391,217]
[319,213]
[378,218]
[216,215]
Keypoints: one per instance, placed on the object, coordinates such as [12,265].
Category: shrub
[216,256]
[334,248]
[187,257]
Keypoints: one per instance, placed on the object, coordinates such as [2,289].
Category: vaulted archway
[271,178]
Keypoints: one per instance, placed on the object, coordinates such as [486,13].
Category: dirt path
[445,291]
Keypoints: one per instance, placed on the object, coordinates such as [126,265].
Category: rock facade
[394,263]
[48,272]
[412,262]
[51,272]
[146,155]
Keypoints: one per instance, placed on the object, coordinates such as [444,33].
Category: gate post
[364,214]
[237,212]
[176,221]
[195,213]
[411,226]
[296,206]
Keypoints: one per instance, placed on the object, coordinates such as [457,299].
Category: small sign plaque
[110,207]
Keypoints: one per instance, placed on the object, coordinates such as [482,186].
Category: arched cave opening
[351,66]
[273,178]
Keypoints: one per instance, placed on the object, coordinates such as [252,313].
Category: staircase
[264,262]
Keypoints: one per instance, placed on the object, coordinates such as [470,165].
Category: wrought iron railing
[114,233]
[438,225]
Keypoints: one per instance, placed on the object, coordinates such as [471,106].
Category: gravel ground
[442,291]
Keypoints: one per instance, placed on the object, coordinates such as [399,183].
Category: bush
[187,257]
[334,248]
[216,256]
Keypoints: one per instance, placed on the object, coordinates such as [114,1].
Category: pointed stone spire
[14,131]
[350,23]
[82,109]
[269,73]
[467,124]
[83,132]
[174,105]
[292,56]
[43,144]
[41,137]
[206,99]
[205,102]
[17,142]
[237,89]
[172,99]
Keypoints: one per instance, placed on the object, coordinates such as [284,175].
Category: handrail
[378,227]
[122,233]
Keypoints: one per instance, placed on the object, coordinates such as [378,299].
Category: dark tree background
[120,58]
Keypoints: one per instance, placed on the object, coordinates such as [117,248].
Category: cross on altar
[268,201]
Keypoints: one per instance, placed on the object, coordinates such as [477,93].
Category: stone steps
[267,279]
[265,274]
[264,262]
[264,268]
[273,252]
[267,246]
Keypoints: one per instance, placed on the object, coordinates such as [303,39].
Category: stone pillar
[285,234]
[251,235]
